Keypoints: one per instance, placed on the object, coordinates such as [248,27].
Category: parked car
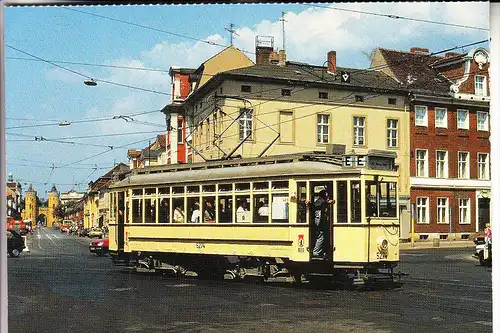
[481,253]
[15,243]
[99,246]
[95,232]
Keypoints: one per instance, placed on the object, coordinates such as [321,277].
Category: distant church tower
[30,205]
[52,205]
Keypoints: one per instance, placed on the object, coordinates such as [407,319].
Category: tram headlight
[383,244]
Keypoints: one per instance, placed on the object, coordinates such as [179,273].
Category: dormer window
[480,85]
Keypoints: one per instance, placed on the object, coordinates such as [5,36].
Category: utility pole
[282,19]
[231,32]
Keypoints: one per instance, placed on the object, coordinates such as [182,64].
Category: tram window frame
[384,211]
[371,187]
[356,216]
[301,202]
[136,208]
[342,202]
[208,189]
[137,192]
[256,199]
[191,189]
[193,203]
[260,186]
[275,207]
[204,215]
[164,191]
[242,187]
[225,188]
[178,190]
[246,215]
[160,202]
[225,217]
[176,202]
[150,191]
[150,210]
[280,185]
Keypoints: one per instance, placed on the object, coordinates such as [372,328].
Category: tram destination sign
[376,162]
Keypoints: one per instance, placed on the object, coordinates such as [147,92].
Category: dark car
[99,247]
[15,243]
[83,232]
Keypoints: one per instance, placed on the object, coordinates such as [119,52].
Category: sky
[41,95]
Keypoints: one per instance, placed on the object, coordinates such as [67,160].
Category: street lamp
[90,82]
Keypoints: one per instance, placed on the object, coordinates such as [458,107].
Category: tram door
[121,220]
[326,230]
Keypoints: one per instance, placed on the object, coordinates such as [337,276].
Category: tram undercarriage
[259,269]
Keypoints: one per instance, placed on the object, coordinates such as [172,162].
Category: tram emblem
[301,241]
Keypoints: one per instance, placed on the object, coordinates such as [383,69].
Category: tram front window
[355,201]
[137,210]
[387,199]
[301,202]
[371,199]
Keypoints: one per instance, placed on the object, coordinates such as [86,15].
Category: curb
[430,245]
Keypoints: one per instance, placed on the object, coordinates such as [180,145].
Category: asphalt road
[60,287]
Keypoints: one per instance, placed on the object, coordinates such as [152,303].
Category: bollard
[435,242]
[26,248]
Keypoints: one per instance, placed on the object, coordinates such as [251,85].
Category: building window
[464,211]
[246,123]
[359,131]
[441,117]
[286,92]
[422,210]
[323,95]
[441,164]
[360,98]
[482,121]
[391,101]
[392,133]
[483,166]
[422,163]
[420,115]
[323,128]
[480,85]
[463,164]
[286,127]
[442,210]
[180,138]
[246,88]
[462,119]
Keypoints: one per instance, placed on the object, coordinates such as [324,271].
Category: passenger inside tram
[163,211]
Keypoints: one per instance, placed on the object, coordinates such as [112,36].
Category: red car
[99,246]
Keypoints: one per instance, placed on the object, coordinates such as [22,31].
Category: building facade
[449,138]
[14,198]
[285,107]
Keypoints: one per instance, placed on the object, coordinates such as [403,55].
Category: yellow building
[30,205]
[53,203]
[270,109]
[33,212]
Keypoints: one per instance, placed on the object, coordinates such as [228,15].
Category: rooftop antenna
[282,19]
[231,32]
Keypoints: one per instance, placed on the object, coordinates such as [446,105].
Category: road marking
[122,289]
[39,237]
[48,236]
[485,323]
[56,236]
[451,282]
[413,254]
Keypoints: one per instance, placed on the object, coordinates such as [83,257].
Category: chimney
[264,47]
[419,50]
[282,58]
[332,62]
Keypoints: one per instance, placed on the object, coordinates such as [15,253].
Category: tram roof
[243,169]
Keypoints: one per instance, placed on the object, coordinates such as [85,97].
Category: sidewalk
[442,244]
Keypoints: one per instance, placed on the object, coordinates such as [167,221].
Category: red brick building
[449,138]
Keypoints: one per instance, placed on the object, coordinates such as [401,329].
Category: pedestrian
[321,223]
[487,238]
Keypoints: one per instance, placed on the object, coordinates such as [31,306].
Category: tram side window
[243,209]
[193,210]
[355,201]
[179,214]
[164,210]
[371,199]
[150,210]
[136,210]
[387,199]
[301,202]
[225,207]
[260,208]
[208,209]
[341,201]
[279,209]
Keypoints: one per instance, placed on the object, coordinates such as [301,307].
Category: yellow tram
[236,215]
